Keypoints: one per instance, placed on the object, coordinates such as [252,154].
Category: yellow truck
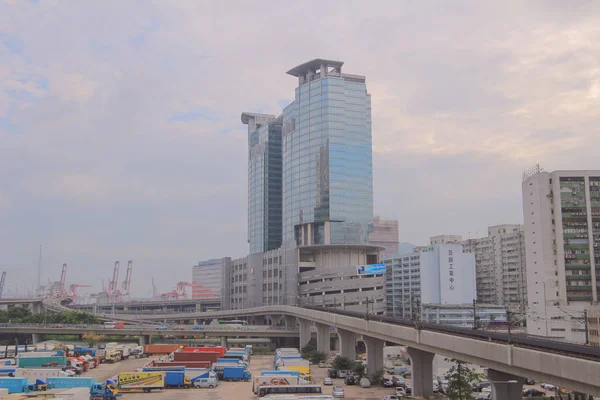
[304,371]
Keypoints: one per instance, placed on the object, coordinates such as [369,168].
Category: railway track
[519,340]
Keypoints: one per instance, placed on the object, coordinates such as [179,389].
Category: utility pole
[508,322]
[367,314]
[474,314]
[585,321]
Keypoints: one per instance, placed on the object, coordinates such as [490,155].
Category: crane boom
[115,279]
[127,282]
[2,283]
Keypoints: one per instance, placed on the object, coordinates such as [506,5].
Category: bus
[114,324]
[289,389]
[233,323]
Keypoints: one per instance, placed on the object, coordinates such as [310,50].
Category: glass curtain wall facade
[264,181]
[327,157]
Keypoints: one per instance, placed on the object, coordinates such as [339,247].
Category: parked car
[364,383]
[332,373]
[484,396]
[529,381]
[323,364]
[161,327]
[533,393]
[387,382]
[328,381]
[391,397]
[206,383]
[342,373]
[548,386]
[400,391]
[436,387]
[338,392]
[479,386]
[350,379]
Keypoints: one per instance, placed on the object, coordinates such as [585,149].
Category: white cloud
[464,97]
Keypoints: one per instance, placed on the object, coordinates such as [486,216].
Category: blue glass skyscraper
[327,160]
[264,181]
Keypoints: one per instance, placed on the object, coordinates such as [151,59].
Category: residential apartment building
[562,238]
[437,274]
[500,266]
[311,229]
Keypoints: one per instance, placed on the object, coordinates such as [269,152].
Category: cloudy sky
[120,133]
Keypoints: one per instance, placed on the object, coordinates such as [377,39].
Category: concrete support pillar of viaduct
[505,386]
[422,371]
[144,340]
[304,325]
[290,321]
[374,355]
[223,341]
[347,343]
[36,338]
[323,339]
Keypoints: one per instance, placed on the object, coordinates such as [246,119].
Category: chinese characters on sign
[451,269]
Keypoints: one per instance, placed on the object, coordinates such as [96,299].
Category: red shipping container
[220,350]
[187,364]
[200,356]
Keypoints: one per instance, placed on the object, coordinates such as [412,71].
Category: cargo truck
[38,373]
[141,381]
[236,374]
[39,362]
[68,383]
[14,385]
[177,379]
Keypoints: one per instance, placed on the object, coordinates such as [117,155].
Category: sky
[120,132]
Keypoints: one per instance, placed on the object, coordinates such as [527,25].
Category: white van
[206,383]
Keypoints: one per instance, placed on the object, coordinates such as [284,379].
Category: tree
[310,347]
[92,338]
[460,380]
[316,357]
[342,363]
[359,368]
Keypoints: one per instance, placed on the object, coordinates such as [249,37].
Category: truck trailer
[141,381]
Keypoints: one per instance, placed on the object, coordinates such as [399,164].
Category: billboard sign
[371,269]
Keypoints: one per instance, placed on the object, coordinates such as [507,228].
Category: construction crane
[112,286]
[73,291]
[2,280]
[126,286]
[179,292]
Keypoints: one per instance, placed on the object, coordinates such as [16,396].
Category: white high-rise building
[562,238]
[501,271]
[437,274]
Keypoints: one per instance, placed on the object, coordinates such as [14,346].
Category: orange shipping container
[160,348]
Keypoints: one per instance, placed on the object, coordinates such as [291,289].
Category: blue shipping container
[174,378]
[14,385]
[70,382]
[292,373]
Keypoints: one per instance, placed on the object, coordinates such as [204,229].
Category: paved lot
[243,390]
[233,390]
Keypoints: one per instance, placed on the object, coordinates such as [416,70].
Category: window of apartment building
[558,329]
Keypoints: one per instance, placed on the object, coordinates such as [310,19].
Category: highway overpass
[150,306]
[146,331]
[576,369]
